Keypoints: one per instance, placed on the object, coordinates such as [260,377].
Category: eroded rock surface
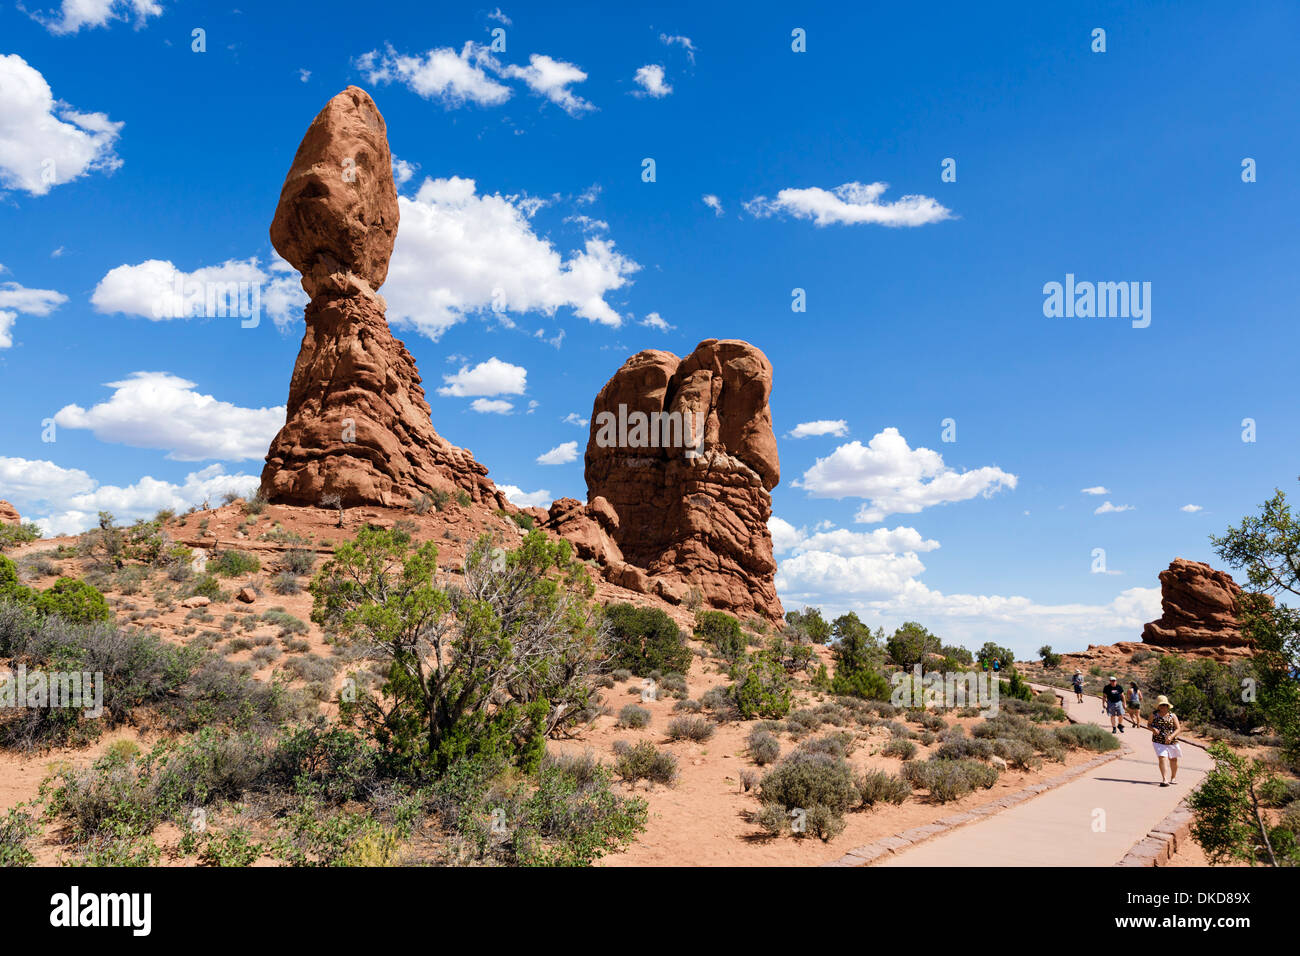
[1199,609]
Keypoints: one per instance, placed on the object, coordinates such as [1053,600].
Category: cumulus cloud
[43,142]
[459,253]
[838,427]
[239,288]
[500,17]
[656,321]
[76,14]
[1191,509]
[573,418]
[525,499]
[403,172]
[552,78]
[163,411]
[67,500]
[850,204]
[442,75]
[1106,508]
[1096,490]
[713,202]
[897,479]
[493,377]
[561,454]
[18,300]
[651,80]
[492,406]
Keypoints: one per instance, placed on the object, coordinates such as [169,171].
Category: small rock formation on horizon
[9,514]
[358,425]
[680,465]
[1199,610]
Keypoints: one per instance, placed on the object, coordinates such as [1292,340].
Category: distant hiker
[1112,696]
[1133,704]
[997,665]
[1165,728]
[1078,686]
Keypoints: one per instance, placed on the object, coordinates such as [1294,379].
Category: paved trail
[1057,828]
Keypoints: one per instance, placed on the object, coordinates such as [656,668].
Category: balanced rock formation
[9,514]
[1199,610]
[680,465]
[358,425]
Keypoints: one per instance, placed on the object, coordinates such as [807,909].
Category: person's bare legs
[1173,769]
[1164,769]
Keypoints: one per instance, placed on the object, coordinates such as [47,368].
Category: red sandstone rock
[1199,606]
[687,498]
[358,424]
[9,514]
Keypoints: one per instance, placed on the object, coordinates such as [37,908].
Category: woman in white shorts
[1165,728]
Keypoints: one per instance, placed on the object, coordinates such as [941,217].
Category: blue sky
[1115,166]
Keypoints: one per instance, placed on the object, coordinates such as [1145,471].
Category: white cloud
[403,171]
[573,418]
[839,428]
[68,500]
[525,499]
[499,16]
[850,204]
[1096,490]
[163,411]
[18,300]
[713,202]
[561,454]
[493,377]
[552,78]
[683,42]
[304,75]
[443,75]
[1107,508]
[897,479]
[492,406]
[1191,509]
[651,80]
[826,538]
[76,14]
[656,321]
[458,253]
[157,290]
[44,142]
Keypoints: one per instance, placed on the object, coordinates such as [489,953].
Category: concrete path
[1091,821]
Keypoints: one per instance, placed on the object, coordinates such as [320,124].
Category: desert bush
[764,748]
[1087,737]
[762,688]
[697,729]
[877,786]
[836,744]
[1017,753]
[723,632]
[687,706]
[285,583]
[74,601]
[820,785]
[17,829]
[644,762]
[644,639]
[898,747]
[960,748]
[233,563]
[633,716]
[948,780]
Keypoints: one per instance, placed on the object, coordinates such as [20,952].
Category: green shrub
[644,639]
[232,563]
[644,762]
[723,632]
[820,785]
[898,747]
[762,689]
[633,716]
[948,780]
[17,828]
[1087,737]
[74,601]
[12,535]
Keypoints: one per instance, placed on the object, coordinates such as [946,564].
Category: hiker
[1078,686]
[1112,697]
[1165,728]
[1134,704]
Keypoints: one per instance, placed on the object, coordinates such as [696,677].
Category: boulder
[9,514]
[357,425]
[1199,608]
